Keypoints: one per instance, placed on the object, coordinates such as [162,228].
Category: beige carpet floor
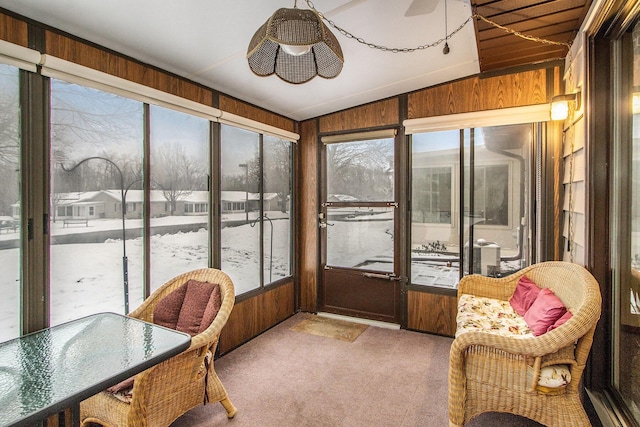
[289,378]
[295,376]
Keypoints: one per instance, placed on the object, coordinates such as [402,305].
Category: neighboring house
[108,204]
[234,201]
[84,205]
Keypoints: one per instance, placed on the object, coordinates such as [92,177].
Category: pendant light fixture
[295,45]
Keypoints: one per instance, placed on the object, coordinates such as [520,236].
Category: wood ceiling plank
[523,58]
[563,22]
[508,12]
[508,16]
[558,33]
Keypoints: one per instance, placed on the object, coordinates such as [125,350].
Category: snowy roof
[342,198]
[137,196]
[241,196]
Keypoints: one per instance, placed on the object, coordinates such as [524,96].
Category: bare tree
[9,140]
[277,171]
[176,174]
[361,169]
[81,115]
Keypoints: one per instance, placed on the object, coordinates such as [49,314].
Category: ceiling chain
[437,42]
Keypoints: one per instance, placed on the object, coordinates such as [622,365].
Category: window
[625,232]
[130,205]
[240,245]
[179,161]
[491,195]
[276,204]
[64,211]
[432,195]
[10,242]
[360,204]
[96,146]
[256,208]
[487,171]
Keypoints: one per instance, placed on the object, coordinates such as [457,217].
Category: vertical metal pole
[125,261]
[246,192]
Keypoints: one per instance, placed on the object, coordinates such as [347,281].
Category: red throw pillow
[561,320]
[193,307]
[525,294]
[190,308]
[167,310]
[122,385]
[212,308]
[545,310]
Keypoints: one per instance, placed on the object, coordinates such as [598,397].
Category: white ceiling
[206,41]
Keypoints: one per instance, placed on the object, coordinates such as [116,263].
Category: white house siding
[575,180]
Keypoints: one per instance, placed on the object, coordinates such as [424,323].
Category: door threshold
[351,319]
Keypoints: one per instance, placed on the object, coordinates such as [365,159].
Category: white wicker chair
[489,372]
[166,391]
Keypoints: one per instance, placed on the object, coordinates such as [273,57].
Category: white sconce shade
[636,103]
[559,110]
[560,105]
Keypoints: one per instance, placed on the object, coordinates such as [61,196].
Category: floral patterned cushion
[490,315]
[498,317]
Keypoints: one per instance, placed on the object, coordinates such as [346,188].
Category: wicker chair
[488,372]
[164,392]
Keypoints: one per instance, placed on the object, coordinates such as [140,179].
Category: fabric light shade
[295,45]
[560,105]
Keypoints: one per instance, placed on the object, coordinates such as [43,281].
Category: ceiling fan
[421,7]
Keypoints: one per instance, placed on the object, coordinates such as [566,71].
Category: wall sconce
[635,108]
[560,105]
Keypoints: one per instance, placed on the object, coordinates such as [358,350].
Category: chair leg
[228,406]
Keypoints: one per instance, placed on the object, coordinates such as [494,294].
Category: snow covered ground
[88,277]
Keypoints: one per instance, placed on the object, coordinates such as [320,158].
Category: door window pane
[360,237]
[10,242]
[240,237]
[96,247]
[276,198]
[360,171]
[179,211]
[360,188]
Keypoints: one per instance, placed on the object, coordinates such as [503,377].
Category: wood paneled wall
[435,313]
[479,94]
[14,30]
[308,209]
[243,109]
[255,315]
[91,56]
[376,114]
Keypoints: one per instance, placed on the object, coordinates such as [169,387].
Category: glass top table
[53,369]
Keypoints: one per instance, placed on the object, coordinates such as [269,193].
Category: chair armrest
[490,287]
